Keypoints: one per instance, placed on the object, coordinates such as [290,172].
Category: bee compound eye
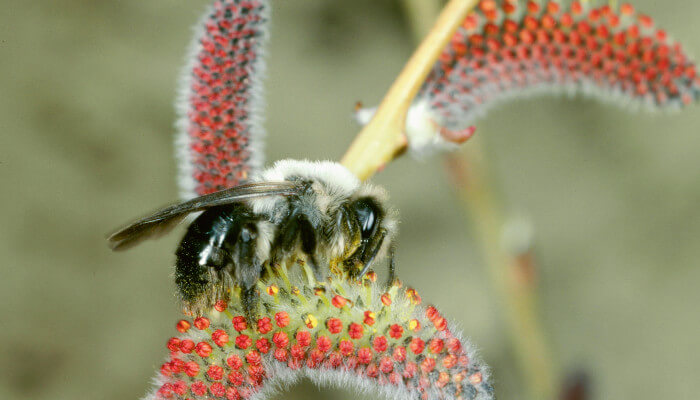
[366,212]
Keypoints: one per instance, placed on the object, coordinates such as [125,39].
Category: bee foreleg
[392,266]
[248,266]
[371,251]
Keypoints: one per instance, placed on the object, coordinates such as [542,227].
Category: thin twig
[512,274]
[382,138]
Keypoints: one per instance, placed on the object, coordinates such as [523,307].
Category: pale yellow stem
[382,138]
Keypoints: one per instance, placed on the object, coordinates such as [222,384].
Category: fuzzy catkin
[359,335]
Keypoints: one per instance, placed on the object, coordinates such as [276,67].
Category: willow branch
[382,138]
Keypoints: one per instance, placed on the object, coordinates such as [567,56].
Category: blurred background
[86,122]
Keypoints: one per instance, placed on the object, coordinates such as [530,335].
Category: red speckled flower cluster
[226,64]
[366,334]
[506,47]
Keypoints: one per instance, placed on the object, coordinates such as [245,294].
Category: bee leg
[308,246]
[286,240]
[392,266]
[248,267]
[371,252]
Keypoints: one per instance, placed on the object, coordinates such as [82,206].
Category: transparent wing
[163,220]
[219,141]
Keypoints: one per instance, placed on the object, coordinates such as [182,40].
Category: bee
[316,209]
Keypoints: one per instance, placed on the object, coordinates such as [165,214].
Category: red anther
[510,40]
[449,361]
[510,26]
[217,389]
[553,7]
[165,369]
[454,346]
[443,379]
[559,36]
[203,349]
[476,39]
[264,325]
[234,362]
[191,368]
[584,28]
[372,371]
[182,326]
[315,358]
[198,388]
[346,347]
[297,352]
[602,31]
[487,5]
[491,15]
[215,372]
[396,331]
[530,23]
[594,15]
[626,9]
[220,306]
[542,36]
[339,301]
[527,37]
[323,343]
[180,387]
[491,29]
[410,370]
[281,355]
[576,8]
[263,345]
[364,355]
[386,365]
[613,21]
[476,378]
[508,7]
[232,393]
[470,22]
[236,378]
[427,365]
[548,22]
[633,31]
[303,338]
[253,357]
[239,323]
[436,345]
[369,318]
[334,359]
[280,339]
[334,325]
[431,313]
[567,21]
[201,323]
[645,20]
[173,344]
[220,337]
[282,319]
[380,344]
[417,345]
[386,299]
[355,330]
[532,7]
[243,341]
[661,35]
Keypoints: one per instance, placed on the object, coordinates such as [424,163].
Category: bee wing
[164,220]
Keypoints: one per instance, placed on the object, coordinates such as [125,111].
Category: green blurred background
[86,93]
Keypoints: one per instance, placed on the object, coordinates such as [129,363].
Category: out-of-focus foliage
[86,119]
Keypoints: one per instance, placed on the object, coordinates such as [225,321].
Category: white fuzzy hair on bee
[317,210]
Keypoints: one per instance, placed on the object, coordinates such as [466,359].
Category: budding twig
[382,138]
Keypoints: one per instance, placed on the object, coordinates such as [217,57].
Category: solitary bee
[318,209]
